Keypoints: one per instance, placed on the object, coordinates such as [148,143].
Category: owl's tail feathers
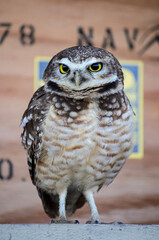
[50,203]
[73,204]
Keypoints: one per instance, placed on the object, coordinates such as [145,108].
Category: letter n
[85,39]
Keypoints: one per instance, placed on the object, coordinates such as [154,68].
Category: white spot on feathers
[54,99]
[70,120]
[57,105]
[31,137]
[26,120]
[73,114]
[29,142]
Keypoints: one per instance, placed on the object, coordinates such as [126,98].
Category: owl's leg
[62,210]
[94,212]
[62,203]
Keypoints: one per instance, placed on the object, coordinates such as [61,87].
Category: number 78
[26,33]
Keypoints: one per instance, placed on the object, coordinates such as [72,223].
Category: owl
[77,130]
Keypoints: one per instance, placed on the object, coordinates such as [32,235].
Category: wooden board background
[134,195]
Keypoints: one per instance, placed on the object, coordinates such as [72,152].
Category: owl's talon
[93,222]
[88,222]
[64,221]
[117,223]
[98,222]
[76,222]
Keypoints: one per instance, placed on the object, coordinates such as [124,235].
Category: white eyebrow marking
[81,65]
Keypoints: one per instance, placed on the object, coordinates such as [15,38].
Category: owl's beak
[77,79]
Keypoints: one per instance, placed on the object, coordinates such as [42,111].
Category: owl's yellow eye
[95,67]
[64,68]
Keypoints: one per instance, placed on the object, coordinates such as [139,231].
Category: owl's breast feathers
[81,142]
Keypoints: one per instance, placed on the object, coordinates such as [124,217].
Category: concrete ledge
[78,231]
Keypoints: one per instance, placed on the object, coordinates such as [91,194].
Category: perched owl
[77,130]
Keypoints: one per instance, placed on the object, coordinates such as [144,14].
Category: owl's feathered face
[83,72]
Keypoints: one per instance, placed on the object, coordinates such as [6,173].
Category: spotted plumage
[77,129]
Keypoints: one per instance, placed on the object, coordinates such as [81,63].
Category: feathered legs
[94,212]
[62,203]
[62,209]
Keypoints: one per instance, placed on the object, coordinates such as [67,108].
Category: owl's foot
[64,221]
[98,222]
[93,222]
[116,223]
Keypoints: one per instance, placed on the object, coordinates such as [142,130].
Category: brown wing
[32,121]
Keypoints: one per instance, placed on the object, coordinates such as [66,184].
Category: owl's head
[82,72]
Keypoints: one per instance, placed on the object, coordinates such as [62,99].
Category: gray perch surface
[78,231]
